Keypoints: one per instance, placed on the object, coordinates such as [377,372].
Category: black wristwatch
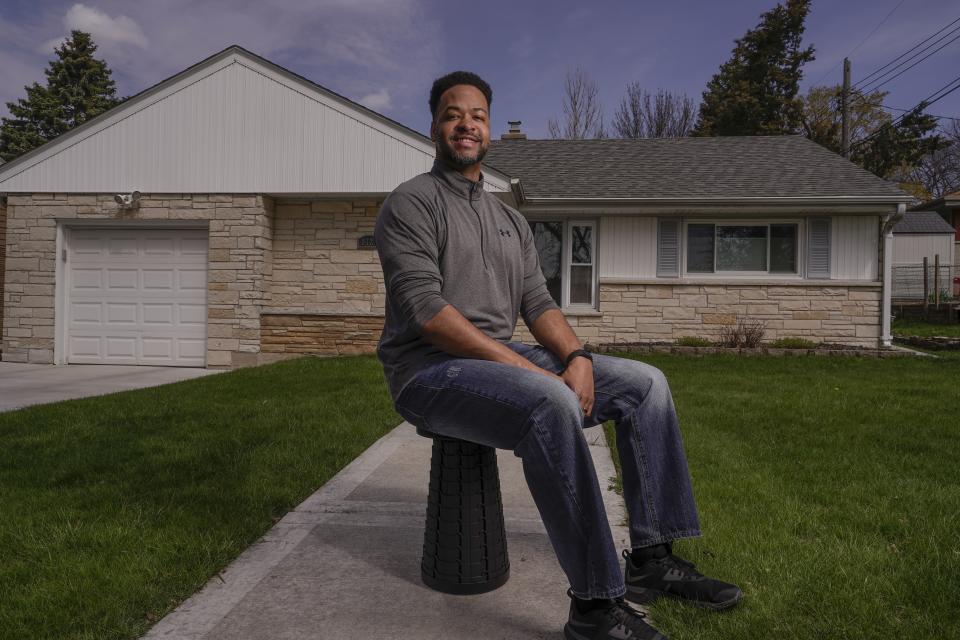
[578,353]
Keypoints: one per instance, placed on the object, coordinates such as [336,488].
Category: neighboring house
[252,238]
[919,236]
[949,208]
[922,234]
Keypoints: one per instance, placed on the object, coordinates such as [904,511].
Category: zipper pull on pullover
[463,187]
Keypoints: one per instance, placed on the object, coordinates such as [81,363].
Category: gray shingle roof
[923,222]
[757,166]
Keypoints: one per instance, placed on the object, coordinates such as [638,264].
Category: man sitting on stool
[459,266]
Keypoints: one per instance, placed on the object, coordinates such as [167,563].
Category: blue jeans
[541,421]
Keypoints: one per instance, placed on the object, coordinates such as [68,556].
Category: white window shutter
[818,248]
[668,248]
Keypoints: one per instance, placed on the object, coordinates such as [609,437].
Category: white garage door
[137,296]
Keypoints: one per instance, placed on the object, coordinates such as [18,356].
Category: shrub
[746,333]
[793,343]
[692,341]
[944,296]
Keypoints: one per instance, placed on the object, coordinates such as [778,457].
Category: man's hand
[552,331]
[523,363]
[579,377]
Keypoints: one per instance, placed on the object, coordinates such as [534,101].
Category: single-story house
[949,208]
[224,218]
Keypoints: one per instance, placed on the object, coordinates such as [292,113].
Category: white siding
[233,126]
[909,248]
[628,247]
[854,247]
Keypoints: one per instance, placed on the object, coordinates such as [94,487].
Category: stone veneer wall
[848,314]
[326,296]
[239,265]
[317,267]
[329,335]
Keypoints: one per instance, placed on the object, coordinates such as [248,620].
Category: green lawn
[117,508]
[828,489]
[924,329]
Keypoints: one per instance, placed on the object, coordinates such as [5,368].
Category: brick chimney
[514,133]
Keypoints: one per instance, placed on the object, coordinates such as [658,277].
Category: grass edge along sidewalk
[117,508]
[826,489]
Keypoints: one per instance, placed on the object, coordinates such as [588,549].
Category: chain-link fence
[909,285]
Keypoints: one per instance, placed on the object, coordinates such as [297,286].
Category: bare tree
[664,115]
[582,113]
[630,120]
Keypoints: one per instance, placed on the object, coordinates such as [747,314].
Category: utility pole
[845,105]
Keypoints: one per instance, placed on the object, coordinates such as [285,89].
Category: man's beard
[459,160]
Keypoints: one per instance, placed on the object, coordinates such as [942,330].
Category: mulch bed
[934,343]
[824,349]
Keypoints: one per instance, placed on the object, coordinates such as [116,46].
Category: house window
[548,237]
[745,248]
[568,259]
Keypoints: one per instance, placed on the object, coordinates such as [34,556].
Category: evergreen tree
[79,87]
[896,147]
[939,172]
[755,92]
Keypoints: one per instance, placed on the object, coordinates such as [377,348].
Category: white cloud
[377,101]
[383,53]
[105,30]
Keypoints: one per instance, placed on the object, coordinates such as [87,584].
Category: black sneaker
[617,621]
[672,576]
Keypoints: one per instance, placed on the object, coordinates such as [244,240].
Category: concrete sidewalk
[346,563]
[23,385]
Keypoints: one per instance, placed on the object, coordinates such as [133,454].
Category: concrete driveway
[22,385]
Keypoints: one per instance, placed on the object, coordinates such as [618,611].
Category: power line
[861,92]
[923,104]
[869,35]
[875,86]
[908,51]
[943,92]
[929,114]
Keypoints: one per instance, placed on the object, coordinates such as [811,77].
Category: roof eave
[787,200]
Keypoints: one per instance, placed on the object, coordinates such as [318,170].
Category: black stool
[464,543]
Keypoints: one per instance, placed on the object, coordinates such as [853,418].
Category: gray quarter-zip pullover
[443,240]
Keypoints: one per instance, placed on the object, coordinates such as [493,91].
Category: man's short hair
[452,79]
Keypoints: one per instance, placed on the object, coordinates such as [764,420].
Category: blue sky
[386,53]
